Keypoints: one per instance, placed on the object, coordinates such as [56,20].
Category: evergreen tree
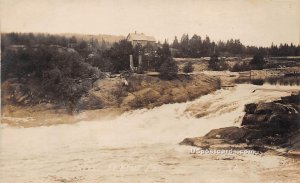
[258,61]
[166,66]
[168,69]
[195,46]
[119,55]
[184,45]
[175,43]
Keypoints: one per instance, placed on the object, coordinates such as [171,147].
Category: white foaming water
[142,142]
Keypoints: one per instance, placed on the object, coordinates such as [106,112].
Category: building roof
[139,37]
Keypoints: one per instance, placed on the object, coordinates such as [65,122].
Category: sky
[254,22]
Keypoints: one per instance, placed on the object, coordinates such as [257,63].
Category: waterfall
[149,134]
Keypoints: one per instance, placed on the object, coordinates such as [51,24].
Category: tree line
[40,39]
[65,68]
[196,47]
[108,58]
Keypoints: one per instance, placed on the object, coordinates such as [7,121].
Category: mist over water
[142,141]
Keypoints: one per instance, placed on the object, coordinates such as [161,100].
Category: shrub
[257,81]
[188,67]
[240,67]
[217,65]
[168,69]
[258,61]
[119,91]
[213,62]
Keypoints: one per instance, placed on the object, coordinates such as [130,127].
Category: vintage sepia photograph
[175,91]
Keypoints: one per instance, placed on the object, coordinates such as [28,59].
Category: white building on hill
[140,38]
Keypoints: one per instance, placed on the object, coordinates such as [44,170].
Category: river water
[142,145]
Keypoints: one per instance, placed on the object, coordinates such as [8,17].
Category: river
[142,145]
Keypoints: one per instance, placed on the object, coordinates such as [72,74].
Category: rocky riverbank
[265,126]
[109,97]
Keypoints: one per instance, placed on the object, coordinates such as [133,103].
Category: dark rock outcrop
[229,134]
[142,91]
[274,118]
[264,124]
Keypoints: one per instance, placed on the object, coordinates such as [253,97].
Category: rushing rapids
[140,145]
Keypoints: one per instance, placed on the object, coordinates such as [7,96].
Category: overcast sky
[254,22]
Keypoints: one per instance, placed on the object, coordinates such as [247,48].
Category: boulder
[271,108]
[190,141]
[293,99]
[273,118]
[254,119]
[229,133]
[202,142]
[250,108]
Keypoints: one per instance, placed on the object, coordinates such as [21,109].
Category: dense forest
[64,69]
[197,46]
[27,53]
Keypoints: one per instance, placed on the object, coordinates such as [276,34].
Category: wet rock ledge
[265,126]
[106,99]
